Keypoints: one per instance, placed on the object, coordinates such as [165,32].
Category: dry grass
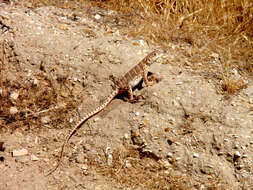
[135,170]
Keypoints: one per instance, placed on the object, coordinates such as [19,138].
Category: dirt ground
[181,133]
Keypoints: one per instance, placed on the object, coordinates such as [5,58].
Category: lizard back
[136,71]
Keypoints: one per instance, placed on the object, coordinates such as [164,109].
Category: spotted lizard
[122,84]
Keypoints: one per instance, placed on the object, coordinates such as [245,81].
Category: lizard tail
[79,124]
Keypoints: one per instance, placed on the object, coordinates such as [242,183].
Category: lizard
[121,84]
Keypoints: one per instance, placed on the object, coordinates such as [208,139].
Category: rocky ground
[180,134]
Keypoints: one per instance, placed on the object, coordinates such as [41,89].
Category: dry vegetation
[29,98]
[221,36]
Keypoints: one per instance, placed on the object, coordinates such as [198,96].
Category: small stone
[195,155]
[97,17]
[137,113]
[80,159]
[236,146]
[109,160]
[126,136]
[35,81]
[70,120]
[75,79]
[45,120]
[22,159]
[179,83]
[84,168]
[108,153]
[142,42]
[34,158]
[14,95]
[128,164]
[21,152]
[165,164]
[98,187]
[237,155]
[169,154]
[245,156]
[13,110]
[46,159]
[244,147]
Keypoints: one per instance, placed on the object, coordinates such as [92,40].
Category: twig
[1,70]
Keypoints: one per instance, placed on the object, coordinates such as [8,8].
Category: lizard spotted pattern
[122,84]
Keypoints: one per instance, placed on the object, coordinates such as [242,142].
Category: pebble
[34,158]
[97,17]
[195,155]
[169,154]
[13,110]
[45,120]
[35,81]
[137,113]
[80,159]
[14,95]
[142,42]
[126,136]
[237,154]
[22,159]
[165,164]
[84,168]
[108,153]
[21,152]
[179,83]
[128,164]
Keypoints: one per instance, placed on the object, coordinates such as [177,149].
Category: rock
[80,159]
[97,16]
[21,152]
[108,154]
[45,120]
[195,155]
[13,110]
[165,164]
[128,164]
[237,155]
[14,95]
[22,159]
[34,158]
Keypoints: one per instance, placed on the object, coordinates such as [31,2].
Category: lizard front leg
[145,76]
[130,93]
